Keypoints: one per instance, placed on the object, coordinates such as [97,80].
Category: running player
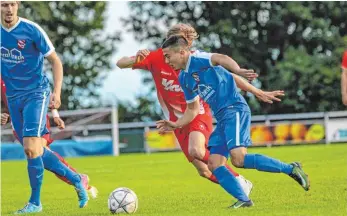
[48,140]
[192,138]
[24,44]
[202,76]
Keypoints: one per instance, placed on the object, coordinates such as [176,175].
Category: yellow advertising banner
[287,133]
[161,142]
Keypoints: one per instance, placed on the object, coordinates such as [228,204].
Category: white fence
[319,127]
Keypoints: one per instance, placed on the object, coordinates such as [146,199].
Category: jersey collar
[188,63]
[13,27]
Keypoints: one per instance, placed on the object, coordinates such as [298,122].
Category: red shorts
[203,124]
[47,136]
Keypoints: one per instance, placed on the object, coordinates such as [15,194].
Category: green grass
[166,184]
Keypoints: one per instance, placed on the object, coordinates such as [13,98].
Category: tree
[295,46]
[77,31]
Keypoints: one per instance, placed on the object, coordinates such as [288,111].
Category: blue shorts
[28,114]
[231,132]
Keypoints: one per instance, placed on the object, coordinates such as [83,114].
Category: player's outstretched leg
[93,191]
[267,164]
[52,163]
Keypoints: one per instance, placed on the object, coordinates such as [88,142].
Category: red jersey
[344,60]
[170,93]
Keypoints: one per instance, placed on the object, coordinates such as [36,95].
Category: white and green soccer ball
[122,200]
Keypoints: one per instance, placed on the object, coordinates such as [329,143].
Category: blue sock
[267,164]
[52,163]
[230,183]
[35,170]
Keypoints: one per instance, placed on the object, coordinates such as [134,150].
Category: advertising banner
[158,142]
[337,130]
[287,133]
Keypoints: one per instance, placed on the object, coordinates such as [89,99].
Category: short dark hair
[175,40]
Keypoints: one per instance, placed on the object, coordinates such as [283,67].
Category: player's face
[175,58]
[9,11]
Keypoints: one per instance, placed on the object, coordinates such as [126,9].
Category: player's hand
[54,102]
[165,126]
[59,122]
[142,54]
[4,118]
[249,74]
[270,97]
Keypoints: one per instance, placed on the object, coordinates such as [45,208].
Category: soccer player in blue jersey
[24,44]
[202,76]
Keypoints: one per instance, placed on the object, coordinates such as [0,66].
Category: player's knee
[238,160]
[32,147]
[196,153]
[212,165]
[30,151]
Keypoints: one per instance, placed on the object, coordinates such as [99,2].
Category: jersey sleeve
[42,42]
[189,95]
[344,61]
[145,64]
[204,59]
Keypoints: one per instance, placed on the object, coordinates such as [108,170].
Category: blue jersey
[214,84]
[23,48]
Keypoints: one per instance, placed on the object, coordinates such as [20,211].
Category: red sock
[64,162]
[231,170]
[213,179]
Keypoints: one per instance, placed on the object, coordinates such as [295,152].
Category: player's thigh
[34,115]
[183,140]
[15,108]
[197,144]
[237,130]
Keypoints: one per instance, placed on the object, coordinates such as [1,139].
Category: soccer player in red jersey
[344,78]
[47,137]
[192,138]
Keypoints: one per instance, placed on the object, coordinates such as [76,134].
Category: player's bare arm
[190,113]
[265,96]
[57,68]
[57,120]
[128,62]
[344,86]
[231,65]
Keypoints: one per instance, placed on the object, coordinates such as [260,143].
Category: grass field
[166,184]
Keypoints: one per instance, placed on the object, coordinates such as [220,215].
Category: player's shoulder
[28,24]
[200,54]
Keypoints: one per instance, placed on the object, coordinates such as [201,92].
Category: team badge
[196,77]
[21,44]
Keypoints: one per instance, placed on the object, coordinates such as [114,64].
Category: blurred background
[294,46]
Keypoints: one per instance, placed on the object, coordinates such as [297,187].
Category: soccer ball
[122,200]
